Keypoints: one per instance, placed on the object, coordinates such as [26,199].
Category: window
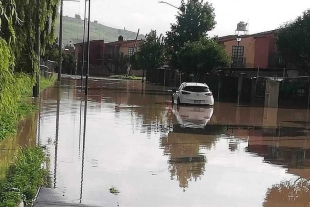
[236,50]
[197,89]
[237,56]
[130,51]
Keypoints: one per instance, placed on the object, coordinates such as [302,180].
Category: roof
[124,42]
[256,35]
[195,84]
[80,43]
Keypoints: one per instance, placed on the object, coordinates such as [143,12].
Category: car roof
[195,84]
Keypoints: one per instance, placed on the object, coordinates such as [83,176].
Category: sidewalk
[51,198]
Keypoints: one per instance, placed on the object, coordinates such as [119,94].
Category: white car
[193,117]
[193,93]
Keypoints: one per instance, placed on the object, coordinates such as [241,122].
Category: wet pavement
[156,154]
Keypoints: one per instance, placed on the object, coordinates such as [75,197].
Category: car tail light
[185,93]
[209,94]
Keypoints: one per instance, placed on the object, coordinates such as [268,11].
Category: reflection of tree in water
[289,193]
[25,137]
[186,163]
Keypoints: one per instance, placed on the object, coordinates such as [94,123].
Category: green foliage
[152,53]
[24,177]
[194,20]
[31,14]
[13,89]
[202,56]
[8,17]
[293,41]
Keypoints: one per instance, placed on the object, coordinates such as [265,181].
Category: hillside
[73,31]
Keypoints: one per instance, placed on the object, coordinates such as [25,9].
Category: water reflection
[288,194]
[25,137]
[57,135]
[137,142]
[192,117]
[83,149]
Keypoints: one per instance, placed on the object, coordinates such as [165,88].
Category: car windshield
[196,89]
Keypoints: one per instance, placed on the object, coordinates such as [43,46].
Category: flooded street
[156,154]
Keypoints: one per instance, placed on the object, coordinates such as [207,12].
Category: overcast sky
[262,15]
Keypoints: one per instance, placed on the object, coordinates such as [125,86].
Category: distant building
[255,51]
[106,58]
[118,53]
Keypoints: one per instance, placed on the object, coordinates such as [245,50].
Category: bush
[24,177]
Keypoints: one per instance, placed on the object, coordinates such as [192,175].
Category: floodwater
[156,154]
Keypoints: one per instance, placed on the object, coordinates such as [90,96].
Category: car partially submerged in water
[193,93]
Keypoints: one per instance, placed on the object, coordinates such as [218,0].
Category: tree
[194,20]
[293,41]
[152,53]
[202,57]
[23,25]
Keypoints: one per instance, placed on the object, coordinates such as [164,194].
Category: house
[117,54]
[96,52]
[254,51]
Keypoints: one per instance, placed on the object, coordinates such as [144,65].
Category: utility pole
[88,45]
[36,87]
[83,57]
[60,41]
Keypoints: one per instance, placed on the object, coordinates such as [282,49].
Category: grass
[126,77]
[24,177]
[73,31]
[21,179]
[46,82]
[10,121]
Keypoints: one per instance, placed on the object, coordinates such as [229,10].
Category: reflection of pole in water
[39,126]
[57,135]
[83,152]
[80,130]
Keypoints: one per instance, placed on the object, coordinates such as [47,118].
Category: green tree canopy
[152,53]
[202,57]
[194,20]
[19,20]
[293,41]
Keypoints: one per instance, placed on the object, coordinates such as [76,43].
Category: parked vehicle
[193,93]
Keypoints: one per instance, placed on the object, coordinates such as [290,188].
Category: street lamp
[238,49]
[60,37]
[163,2]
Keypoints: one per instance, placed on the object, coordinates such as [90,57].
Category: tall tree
[202,57]
[152,53]
[293,41]
[194,20]
[23,28]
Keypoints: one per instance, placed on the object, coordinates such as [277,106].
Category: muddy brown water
[156,154]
